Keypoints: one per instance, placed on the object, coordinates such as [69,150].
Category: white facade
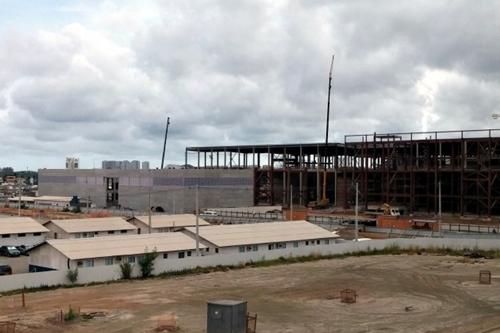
[27,239]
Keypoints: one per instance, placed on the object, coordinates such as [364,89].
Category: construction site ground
[403,293]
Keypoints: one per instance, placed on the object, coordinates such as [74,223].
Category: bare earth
[440,294]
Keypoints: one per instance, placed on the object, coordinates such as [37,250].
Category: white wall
[28,240]
[112,272]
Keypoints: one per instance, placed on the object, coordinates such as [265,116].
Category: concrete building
[171,190]
[227,239]
[145,165]
[87,228]
[166,223]
[64,254]
[18,231]
[72,162]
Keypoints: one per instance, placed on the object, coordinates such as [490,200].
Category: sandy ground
[440,294]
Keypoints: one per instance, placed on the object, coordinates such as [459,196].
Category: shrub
[72,275]
[147,263]
[126,269]
[76,209]
[70,316]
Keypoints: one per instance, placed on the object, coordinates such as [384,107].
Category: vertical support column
[198,158]
[204,159]
[301,175]
[253,156]
[489,173]
[462,167]
[211,158]
[185,157]
[318,181]
[436,164]
[225,163]
[217,159]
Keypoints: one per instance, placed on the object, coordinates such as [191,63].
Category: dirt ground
[417,293]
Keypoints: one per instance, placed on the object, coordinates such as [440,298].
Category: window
[123,231]
[77,235]
[131,259]
[37,234]
[165,255]
[242,249]
[216,250]
[255,248]
[307,243]
[249,248]
[21,235]
[281,245]
[181,255]
[295,244]
[79,263]
[55,235]
[108,261]
[111,232]
[207,249]
[189,253]
[271,246]
[318,242]
[88,263]
[6,236]
[327,241]
[118,259]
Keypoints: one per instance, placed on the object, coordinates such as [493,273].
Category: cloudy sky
[96,79]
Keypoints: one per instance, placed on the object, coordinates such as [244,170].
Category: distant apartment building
[124,165]
[72,162]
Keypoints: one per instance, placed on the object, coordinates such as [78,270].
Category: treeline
[27,175]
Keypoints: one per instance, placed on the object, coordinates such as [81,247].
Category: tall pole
[356,216]
[439,221]
[197,208]
[165,143]
[291,202]
[174,206]
[19,197]
[149,209]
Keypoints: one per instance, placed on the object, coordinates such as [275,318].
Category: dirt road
[395,294]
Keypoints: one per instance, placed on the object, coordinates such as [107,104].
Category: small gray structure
[170,190]
[226,316]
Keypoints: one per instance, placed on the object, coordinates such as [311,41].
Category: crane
[165,143]
[324,200]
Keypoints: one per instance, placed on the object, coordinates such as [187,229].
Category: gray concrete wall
[170,189]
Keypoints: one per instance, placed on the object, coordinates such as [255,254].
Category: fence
[112,272]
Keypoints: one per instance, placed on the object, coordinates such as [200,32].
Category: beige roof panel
[93,224]
[108,246]
[261,233]
[16,225]
[175,220]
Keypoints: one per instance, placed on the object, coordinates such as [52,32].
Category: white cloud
[246,72]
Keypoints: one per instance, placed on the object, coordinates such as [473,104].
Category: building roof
[16,225]
[93,224]
[261,233]
[107,246]
[42,198]
[169,221]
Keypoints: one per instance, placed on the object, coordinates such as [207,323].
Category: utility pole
[18,196]
[149,209]
[356,216]
[165,143]
[439,196]
[197,211]
[291,202]
[173,210]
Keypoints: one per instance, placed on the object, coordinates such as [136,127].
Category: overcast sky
[97,79]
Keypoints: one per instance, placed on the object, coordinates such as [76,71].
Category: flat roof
[93,224]
[42,198]
[261,233]
[170,221]
[108,246]
[17,225]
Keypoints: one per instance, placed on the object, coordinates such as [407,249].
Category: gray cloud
[242,72]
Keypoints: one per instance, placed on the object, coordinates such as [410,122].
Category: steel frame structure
[402,169]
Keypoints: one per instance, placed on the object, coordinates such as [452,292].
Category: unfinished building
[404,169]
